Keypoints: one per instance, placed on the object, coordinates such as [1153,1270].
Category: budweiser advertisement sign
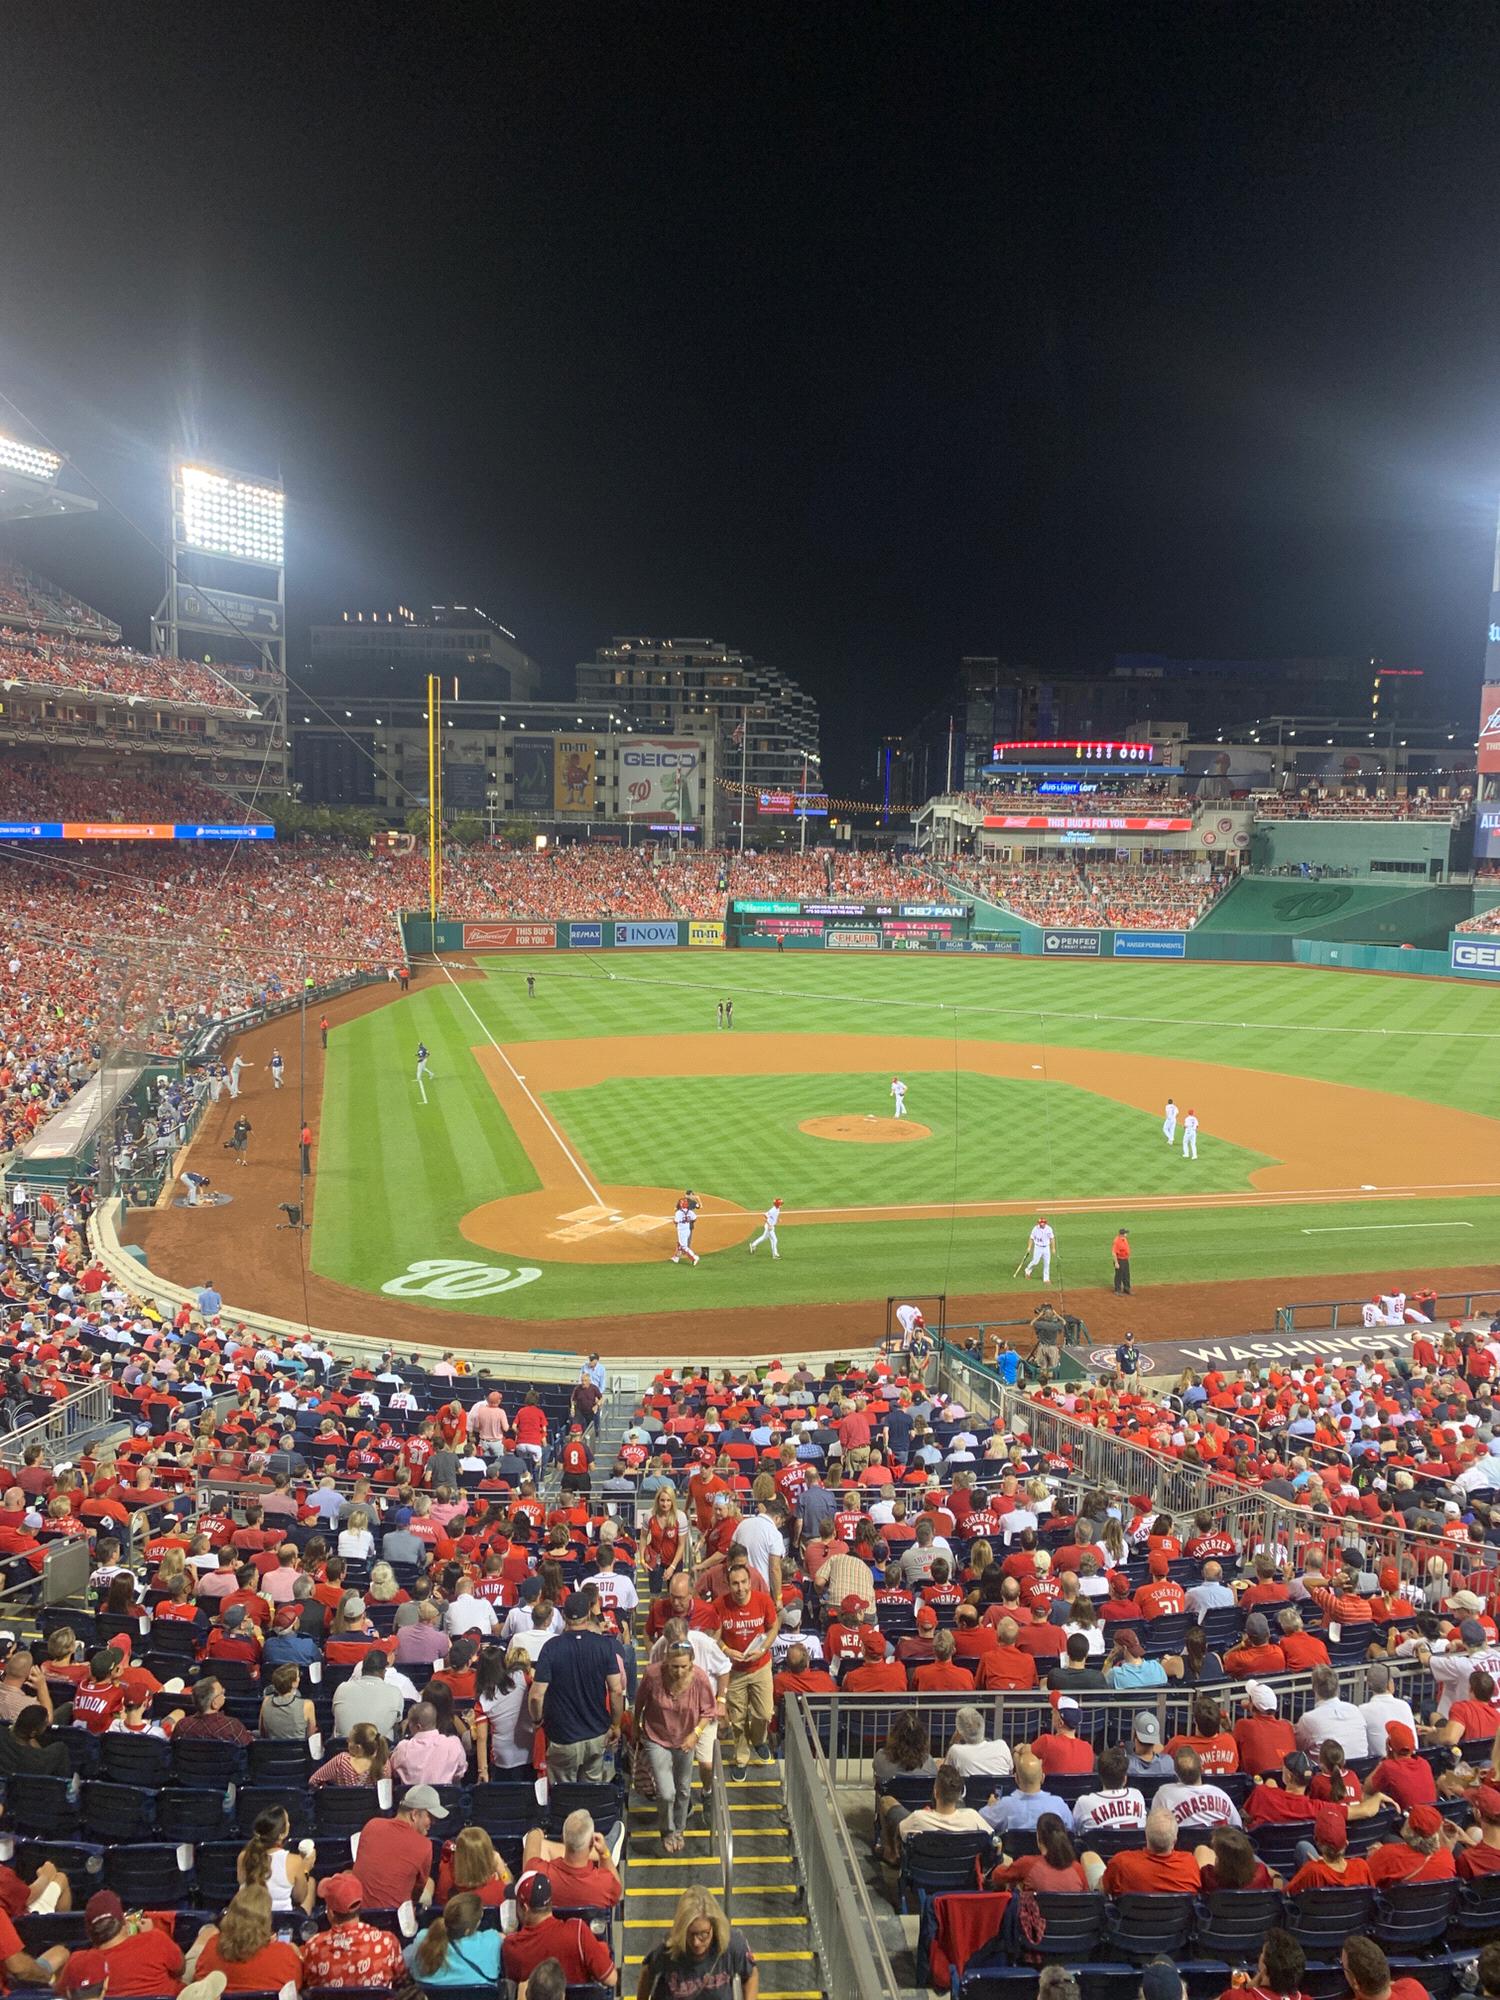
[1085,823]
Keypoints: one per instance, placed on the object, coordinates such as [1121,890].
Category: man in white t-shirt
[468,1613]
[1451,1670]
[1190,1801]
[1383,1708]
[970,1753]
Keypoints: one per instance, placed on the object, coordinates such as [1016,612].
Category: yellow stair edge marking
[761,1958]
[697,1861]
[740,1923]
[751,1889]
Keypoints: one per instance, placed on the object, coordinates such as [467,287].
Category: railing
[65,1427]
[852,1957]
[723,1831]
[848,1729]
[1450,1305]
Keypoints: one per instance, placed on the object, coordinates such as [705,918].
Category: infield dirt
[1319,1133]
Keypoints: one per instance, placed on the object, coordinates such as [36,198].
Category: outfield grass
[395,1175]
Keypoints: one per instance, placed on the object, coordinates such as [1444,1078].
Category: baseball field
[1349,1128]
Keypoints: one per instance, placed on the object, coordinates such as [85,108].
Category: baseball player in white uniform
[235,1067]
[898,1091]
[1190,1136]
[1042,1243]
[682,1221]
[1169,1122]
[768,1234]
[276,1069]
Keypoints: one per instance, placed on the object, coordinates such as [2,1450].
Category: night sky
[859,336]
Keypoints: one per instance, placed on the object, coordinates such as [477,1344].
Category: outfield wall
[533,934]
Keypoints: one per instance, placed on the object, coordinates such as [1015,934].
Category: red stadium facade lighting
[1084,749]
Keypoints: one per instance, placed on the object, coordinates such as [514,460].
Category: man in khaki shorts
[748,1622]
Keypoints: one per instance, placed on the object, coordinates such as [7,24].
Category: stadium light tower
[28,484]
[226,585]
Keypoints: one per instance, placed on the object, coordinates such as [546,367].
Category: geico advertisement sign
[1469,955]
[661,760]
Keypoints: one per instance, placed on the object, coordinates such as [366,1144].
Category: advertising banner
[663,778]
[851,940]
[742,908]
[1486,833]
[933,910]
[705,933]
[1489,728]
[510,937]
[212,610]
[1091,823]
[573,774]
[1474,954]
[465,782]
[1150,944]
[773,805]
[104,829]
[1070,944]
[532,768]
[646,934]
[585,937]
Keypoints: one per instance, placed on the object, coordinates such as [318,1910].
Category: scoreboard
[1030,752]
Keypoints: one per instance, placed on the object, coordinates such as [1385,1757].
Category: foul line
[1380,1228]
[567,1151]
[1094,1204]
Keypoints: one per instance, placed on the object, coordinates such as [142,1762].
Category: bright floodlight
[225,516]
[27,459]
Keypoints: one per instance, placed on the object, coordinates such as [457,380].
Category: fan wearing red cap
[1480,1855]
[916,1649]
[1401,1774]
[1421,1854]
[876,1674]
[841,1641]
[582,1955]
[128,1953]
[1160,1596]
[1335,1867]
[350,1952]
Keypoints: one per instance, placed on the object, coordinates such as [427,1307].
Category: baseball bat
[1019,1268]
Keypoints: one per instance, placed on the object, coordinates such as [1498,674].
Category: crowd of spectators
[29,600]
[75,666]
[1093,890]
[1483,920]
[1381,805]
[47,791]
[798,1534]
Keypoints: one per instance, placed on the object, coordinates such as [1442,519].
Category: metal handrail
[851,1952]
[65,1426]
[723,1830]
[1286,1316]
[1014,1716]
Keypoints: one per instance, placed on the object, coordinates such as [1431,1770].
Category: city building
[764,726]
[387,655]
[557,768]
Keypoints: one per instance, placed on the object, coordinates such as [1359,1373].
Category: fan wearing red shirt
[1418,1856]
[1368,1972]
[1255,1657]
[748,1622]
[942,1676]
[1475,1857]
[1061,1751]
[1160,1597]
[1334,1868]
[1401,1774]
[1006,1666]
[877,1674]
[1263,1738]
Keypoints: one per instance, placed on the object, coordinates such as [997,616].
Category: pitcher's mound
[866,1131]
